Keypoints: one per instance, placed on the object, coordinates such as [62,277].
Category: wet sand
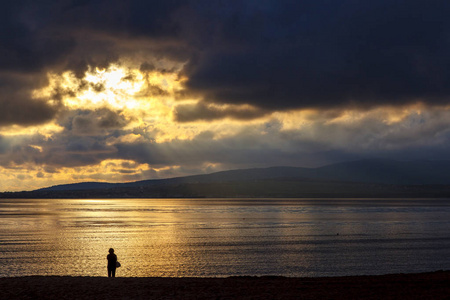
[435,285]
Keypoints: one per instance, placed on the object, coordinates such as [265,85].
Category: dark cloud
[27,43]
[94,122]
[73,151]
[87,146]
[147,67]
[241,151]
[3,145]
[282,55]
[151,90]
[18,107]
[204,112]
[104,31]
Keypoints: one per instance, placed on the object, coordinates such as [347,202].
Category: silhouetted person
[112,260]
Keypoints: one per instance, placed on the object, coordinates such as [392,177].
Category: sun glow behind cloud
[144,101]
[116,89]
[145,98]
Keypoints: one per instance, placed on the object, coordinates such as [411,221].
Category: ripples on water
[224,237]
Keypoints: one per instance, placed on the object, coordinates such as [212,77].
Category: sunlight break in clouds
[107,107]
[116,88]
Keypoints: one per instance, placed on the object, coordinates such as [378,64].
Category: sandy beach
[435,285]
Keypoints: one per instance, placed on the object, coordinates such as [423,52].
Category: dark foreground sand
[434,285]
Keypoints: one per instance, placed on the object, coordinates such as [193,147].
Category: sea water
[224,237]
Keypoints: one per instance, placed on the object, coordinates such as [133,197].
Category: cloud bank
[127,90]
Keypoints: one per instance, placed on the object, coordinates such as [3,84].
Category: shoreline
[432,285]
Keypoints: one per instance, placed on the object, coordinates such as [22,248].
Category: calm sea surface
[224,237]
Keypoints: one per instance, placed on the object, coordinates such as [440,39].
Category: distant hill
[79,186]
[366,171]
[388,171]
[364,178]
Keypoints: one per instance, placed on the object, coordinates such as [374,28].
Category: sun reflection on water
[170,237]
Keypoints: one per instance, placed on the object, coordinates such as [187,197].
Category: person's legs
[113,272]
[109,272]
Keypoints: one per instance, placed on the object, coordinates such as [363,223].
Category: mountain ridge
[374,171]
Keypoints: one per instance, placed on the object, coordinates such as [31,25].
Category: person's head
[111,250]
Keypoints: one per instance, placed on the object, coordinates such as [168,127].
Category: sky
[122,91]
